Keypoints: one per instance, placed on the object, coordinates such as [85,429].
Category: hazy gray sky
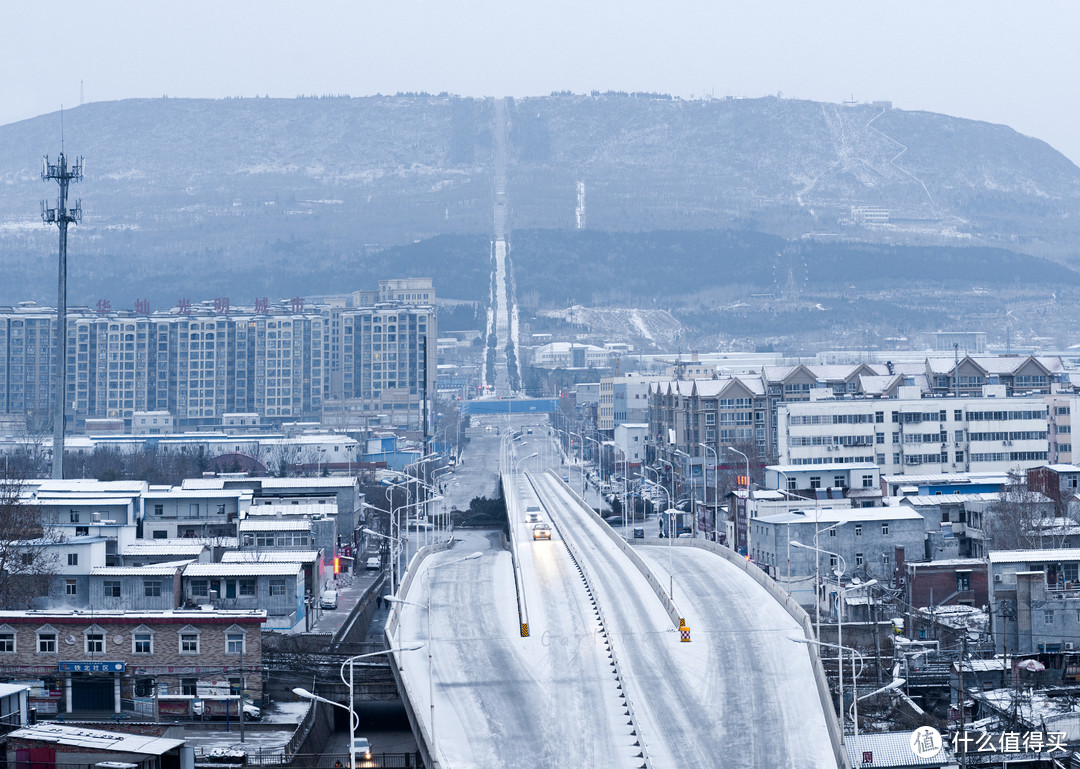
[1004,62]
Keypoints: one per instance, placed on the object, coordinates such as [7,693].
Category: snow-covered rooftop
[242,569]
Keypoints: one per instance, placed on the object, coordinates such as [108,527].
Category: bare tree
[27,563]
[1020,519]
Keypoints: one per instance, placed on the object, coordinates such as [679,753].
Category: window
[7,641]
[161,534]
[858,560]
[111,588]
[82,531]
[839,481]
[832,562]
[858,529]
[832,532]
[815,481]
[95,642]
[277,587]
[885,528]
[71,587]
[963,581]
[189,642]
[152,588]
[74,515]
[247,587]
[142,643]
[73,559]
[1048,617]
[46,642]
[868,481]
[792,484]
[189,686]
[234,643]
[200,587]
[159,509]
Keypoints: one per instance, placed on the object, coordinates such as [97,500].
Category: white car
[329,599]
[251,711]
[361,748]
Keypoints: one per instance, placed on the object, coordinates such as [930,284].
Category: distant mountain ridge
[274,197]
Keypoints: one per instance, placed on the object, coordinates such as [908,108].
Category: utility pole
[61,216]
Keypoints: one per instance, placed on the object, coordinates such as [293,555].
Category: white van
[328,600]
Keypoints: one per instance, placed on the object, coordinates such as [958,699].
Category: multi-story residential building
[1061,405]
[197,363]
[912,432]
[859,541]
[90,661]
[623,399]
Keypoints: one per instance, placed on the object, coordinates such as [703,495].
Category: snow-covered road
[740,694]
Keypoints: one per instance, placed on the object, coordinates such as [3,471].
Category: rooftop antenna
[61,216]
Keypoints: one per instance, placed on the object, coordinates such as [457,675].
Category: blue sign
[75,666]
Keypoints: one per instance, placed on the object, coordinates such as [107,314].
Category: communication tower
[61,216]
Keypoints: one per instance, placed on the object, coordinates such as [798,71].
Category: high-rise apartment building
[286,362]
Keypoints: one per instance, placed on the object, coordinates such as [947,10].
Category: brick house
[82,660]
[961,581]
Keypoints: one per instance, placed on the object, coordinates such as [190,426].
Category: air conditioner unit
[997,578]
[1068,646]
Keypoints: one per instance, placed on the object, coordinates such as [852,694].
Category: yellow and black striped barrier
[524,629]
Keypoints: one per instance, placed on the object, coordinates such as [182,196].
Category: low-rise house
[92,660]
[147,552]
[51,745]
[193,513]
[140,588]
[315,567]
[276,588]
[860,541]
[1035,601]
[275,533]
[960,581]
[71,561]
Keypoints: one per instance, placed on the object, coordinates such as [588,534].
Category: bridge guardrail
[513,515]
[420,727]
[799,615]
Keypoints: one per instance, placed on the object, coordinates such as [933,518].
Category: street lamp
[716,486]
[353,718]
[430,645]
[749,516]
[817,575]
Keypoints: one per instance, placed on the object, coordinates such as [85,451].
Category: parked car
[251,710]
[373,563]
[328,600]
[639,532]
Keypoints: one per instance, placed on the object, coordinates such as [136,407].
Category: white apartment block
[1061,407]
[913,434]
